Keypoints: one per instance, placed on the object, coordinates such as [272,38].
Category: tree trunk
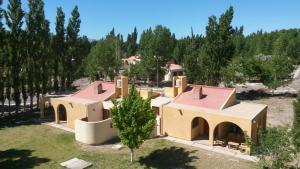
[131,155]
[63,83]
[37,100]
[31,102]
[2,108]
[24,102]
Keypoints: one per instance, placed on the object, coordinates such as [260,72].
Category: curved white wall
[94,133]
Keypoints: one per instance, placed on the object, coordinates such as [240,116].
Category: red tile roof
[91,92]
[213,97]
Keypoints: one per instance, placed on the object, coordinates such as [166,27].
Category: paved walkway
[217,149]
[60,126]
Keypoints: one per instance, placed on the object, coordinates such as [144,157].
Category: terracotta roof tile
[91,92]
[213,97]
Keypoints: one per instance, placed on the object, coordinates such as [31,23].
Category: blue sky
[100,16]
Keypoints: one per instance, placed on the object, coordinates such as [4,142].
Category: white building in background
[172,70]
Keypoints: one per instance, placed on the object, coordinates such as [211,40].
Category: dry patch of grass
[280,109]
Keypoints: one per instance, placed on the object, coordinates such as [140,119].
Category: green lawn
[40,146]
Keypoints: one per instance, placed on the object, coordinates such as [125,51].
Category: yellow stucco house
[209,113]
[190,112]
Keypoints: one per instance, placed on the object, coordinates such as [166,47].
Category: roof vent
[197,93]
[99,88]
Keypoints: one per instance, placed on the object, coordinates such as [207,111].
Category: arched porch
[229,134]
[199,129]
[62,113]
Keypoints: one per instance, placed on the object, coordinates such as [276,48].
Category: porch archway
[230,132]
[62,113]
[199,129]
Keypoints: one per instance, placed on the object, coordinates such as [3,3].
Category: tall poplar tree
[2,60]
[35,21]
[45,59]
[58,47]
[131,43]
[14,20]
[73,29]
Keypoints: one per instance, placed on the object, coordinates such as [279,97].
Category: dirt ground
[280,109]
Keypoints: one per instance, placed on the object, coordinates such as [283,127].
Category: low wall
[170,91]
[145,93]
[94,133]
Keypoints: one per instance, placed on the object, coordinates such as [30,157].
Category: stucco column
[211,134]
[56,114]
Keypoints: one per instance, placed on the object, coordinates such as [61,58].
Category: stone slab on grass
[76,163]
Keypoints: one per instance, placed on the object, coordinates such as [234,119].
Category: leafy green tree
[234,72]
[218,46]
[133,72]
[192,62]
[180,51]
[73,29]
[58,47]
[14,16]
[134,119]
[84,47]
[277,71]
[296,129]
[156,49]
[147,54]
[274,148]
[100,60]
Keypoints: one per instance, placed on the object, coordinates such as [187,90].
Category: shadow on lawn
[172,157]
[15,158]
[13,119]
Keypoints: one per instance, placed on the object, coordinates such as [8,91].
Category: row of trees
[224,55]
[32,60]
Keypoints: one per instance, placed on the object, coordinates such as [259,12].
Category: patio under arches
[229,134]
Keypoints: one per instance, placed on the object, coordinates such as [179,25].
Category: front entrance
[199,129]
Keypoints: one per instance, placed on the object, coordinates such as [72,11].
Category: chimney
[99,88]
[198,92]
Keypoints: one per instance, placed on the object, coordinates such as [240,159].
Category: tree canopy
[134,119]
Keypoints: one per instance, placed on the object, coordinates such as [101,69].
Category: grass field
[40,146]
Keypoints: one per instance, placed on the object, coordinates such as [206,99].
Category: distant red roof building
[174,67]
[132,60]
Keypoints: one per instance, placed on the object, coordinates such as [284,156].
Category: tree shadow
[260,94]
[23,159]
[22,118]
[166,158]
